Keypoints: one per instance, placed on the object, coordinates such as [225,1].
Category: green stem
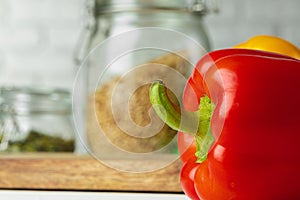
[195,123]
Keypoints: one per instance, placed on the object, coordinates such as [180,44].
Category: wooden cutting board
[82,172]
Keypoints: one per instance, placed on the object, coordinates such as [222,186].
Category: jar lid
[27,100]
[111,6]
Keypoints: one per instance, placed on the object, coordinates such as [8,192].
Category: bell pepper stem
[195,123]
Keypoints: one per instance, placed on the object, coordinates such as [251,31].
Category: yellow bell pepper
[271,44]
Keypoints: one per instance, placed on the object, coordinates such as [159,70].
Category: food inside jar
[131,131]
[39,142]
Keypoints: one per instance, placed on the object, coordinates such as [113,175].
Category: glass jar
[125,46]
[35,120]
[106,18]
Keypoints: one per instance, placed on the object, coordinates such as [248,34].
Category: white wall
[241,19]
[37,37]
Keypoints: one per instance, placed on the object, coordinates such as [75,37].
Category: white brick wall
[241,19]
[37,37]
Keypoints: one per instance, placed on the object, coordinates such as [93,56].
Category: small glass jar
[125,46]
[35,120]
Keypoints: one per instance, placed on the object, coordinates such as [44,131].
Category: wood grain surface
[72,172]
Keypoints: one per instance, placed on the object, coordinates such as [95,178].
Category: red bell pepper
[248,134]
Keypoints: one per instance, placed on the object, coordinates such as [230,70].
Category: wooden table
[81,172]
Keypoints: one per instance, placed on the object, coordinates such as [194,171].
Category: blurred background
[41,43]
[38,37]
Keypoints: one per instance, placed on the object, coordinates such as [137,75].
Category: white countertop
[71,195]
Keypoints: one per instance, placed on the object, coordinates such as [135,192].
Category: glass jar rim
[34,100]
[115,6]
